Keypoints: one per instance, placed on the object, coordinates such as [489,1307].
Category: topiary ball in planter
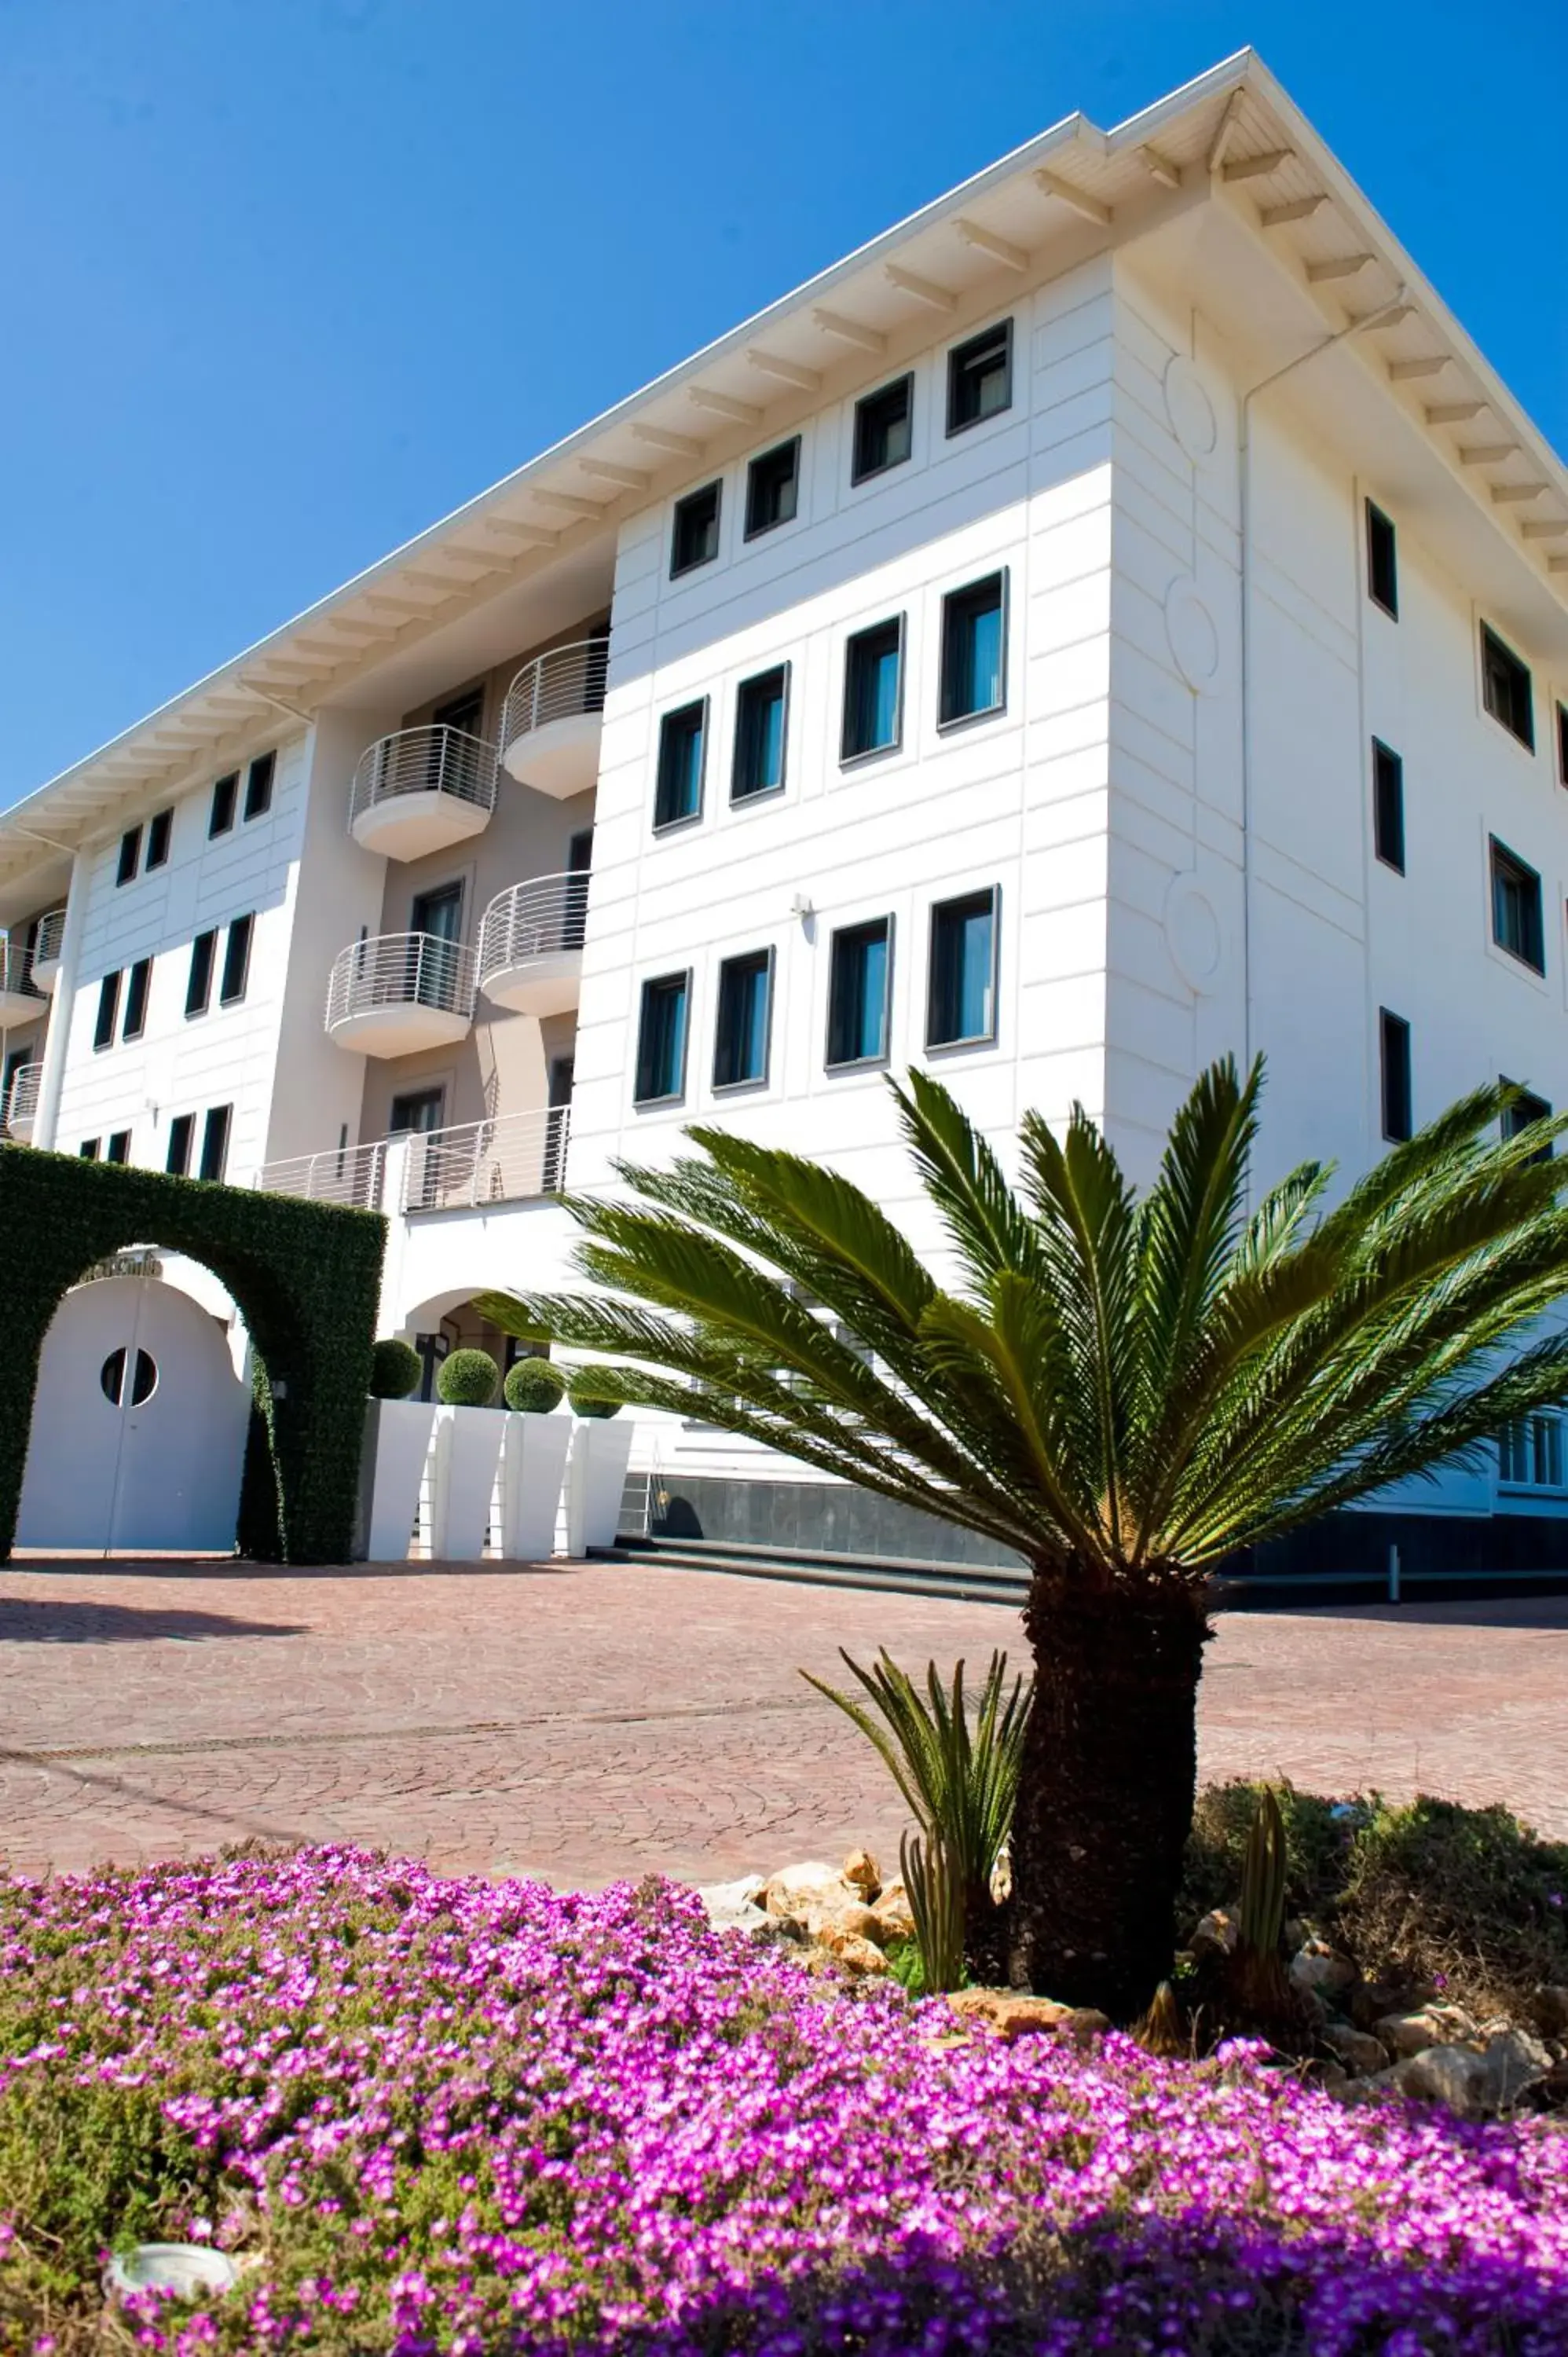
[395,1370]
[467,1379]
[584,1400]
[533,1386]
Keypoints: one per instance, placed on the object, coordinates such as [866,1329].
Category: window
[215,1142]
[773,487]
[1530,1453]
[158,833]
[661,1039]
[1383,562]
[1523,1114]
[1516,909]
[759,734]
[130,855]
[108,1008]
[974,650]
[961,1002]
[419,1111]
[88,1150]
[1505,688]
[860,975]
[198,984]
[181,1137]
[874,691]
[1387,805]
[119,1146]
[980,377]
[884,424]
[682,743]
[695,537]
[1563,744]
[258,785]
[746,1015]
[1395,1045]
[236,962]
[136,999]
[222,817]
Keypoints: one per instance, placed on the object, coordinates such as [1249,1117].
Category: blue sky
[286,280]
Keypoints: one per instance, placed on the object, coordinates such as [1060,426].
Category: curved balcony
[421,790]
[530,946]
[22,1102]
[399,993]
[46,948]
[554,717]
[21,1000]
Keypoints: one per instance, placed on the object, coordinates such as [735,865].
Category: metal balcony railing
[50,938]
[564,684]
[22,1100]
[425,761]
[505,1161]
[540,919]
[401,970]
[342,1174]
[16,970]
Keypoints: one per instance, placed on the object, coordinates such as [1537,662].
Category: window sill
[754,794]
[741,1088]
[698,565]
[872,753]
[1523,743]
[858,1064]
[951,1047]
[765,531]
[1520,964]
[962,720]
[973,425]
[657,1104]
[875,474]
[661,827]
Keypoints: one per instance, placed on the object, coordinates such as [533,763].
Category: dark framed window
[760,724]
[159,829]
[1505,687]
[220,818]
[1387,805]
[874,689]
[773,487]
[199,982]
[884,429]
[136,990]
[961,995]
[420,1111]
[181,1137]
[980,377]
[1563,744]
[682,757]
[88,1150]
[974,650]
[119,1149]
[215,1142]
[860,994]
[741,1035]
[130,855]
[661,1039]
[1526,1110]
[236,962]
[108,1010]
[694,536]
[1382,560]
[258,785]
[1394,1045]
[1517,924]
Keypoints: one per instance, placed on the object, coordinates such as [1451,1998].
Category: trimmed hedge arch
[306,1276]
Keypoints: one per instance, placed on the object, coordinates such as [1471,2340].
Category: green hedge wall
[306,1276]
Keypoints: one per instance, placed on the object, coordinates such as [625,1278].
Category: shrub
[1317,1850]
[533,1386]
[395,1369]
[467,1379]
[584,1400]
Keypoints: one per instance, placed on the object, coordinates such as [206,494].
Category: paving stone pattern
[586,1723]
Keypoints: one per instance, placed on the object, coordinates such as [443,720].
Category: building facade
[1115,618]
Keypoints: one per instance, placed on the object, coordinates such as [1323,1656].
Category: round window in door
[143,1378]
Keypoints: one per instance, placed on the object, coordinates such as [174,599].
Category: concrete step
[967,1583]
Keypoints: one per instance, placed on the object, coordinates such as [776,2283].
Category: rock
[1009,2014]
[733,1905]
[1317,1966]
[1549,2009]
[1217,1934]
[1430,2025]
[793,1888]
[1332,2078]
[1514,2061]
[862,1957]
[860,1870]
[1554,2086]
[1359,2052]
[1370,2000]
[1084,2022]
[893,1915]
[1001,1884]
[1454,2075]
[856,1923]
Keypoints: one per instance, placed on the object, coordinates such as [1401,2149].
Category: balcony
[399,993]
[46,948]
[421,790]
[21,1102]
[516,1157]
[552,718]
[530,946]
[350,1175]
[21,1000]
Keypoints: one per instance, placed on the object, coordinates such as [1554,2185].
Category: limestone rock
[1009,2014]
[857,1923]
[1549,2009]
[1217,1934]
[862,1957]
[1454,2075]
[1361,2053]
[1368,2001]
[1406,2034]
[733,1905]
[793,1888]
[1515,2061]
[861,1871]
[1319,1967]
[894,1914]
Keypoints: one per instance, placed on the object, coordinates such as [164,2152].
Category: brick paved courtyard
[589,1722]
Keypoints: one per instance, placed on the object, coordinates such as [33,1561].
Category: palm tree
[1123,1390]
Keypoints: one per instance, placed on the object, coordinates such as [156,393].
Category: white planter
[533,1468]
[397,1443]
[601,1451]
[467,1450]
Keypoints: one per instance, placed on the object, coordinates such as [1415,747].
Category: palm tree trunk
[1109,1778]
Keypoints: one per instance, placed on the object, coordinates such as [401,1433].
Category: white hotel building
[1115,616]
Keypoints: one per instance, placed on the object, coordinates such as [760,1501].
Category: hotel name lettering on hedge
[126,1264]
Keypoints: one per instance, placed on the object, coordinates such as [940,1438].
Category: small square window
[980,377]
[130,855]
[1383,562]
[683,752]
[874,691]
[181,1137]
[88,1150]
[1526,1110]
[198,982]
[224,793]
[136,999]
[258,785]
[1505,688]
[108,1010]
[158,833]
[884,429]
[695,538]
[745,1020]
[860,977]
[1394,1049]
[974,650]
[661,1039]
[759,734]
[215,1142]
[773,487]
[236,962]
[1387,805]
[1517,924]
[119,1146]
[960,1001]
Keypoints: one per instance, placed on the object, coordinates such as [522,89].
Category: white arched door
[139,1425]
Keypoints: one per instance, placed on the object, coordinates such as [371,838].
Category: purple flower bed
[442,2116]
